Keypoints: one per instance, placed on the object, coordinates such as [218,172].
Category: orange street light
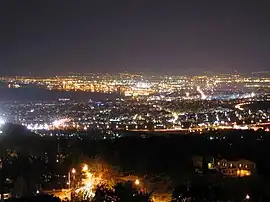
[137,182]
[85,168]
[73,171]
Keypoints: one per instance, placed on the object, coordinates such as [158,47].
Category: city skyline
[187,38]
[138,101]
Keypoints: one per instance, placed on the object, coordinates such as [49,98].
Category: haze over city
[134,101]
[155,37]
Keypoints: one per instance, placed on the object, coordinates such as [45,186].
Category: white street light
[247,197]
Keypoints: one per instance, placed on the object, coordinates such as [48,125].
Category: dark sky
[48,37]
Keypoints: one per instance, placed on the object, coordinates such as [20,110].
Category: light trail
[229,127]
[203,96]
[90,182]
[239,106]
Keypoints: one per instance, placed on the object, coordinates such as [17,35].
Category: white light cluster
[37,126]
[55,124]
[60,122]
[2,121]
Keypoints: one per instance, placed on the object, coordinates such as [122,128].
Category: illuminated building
[240,168]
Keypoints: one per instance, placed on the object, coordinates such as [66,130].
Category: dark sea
[36,93]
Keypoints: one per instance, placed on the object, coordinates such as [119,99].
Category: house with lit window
[239,168]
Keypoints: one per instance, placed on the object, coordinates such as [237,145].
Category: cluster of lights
[61,123]
[90,181]
[243,173]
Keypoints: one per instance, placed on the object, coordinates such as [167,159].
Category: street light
[137,182]
[247,197]
[73,172]
[85,168]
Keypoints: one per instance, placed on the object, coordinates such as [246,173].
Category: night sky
[49,37]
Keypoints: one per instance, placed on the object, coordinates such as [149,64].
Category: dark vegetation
[143,155]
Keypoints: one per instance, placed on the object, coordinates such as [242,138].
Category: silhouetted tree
[20,188]
[104,194]
[41,198]
[122,192]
